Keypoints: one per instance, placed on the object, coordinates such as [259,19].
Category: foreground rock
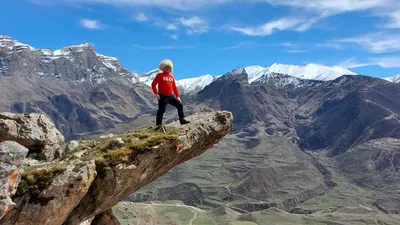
[47,195]
[75,190]
[106,218]
[12,155]
[34,131]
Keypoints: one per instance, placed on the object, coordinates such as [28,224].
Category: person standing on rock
[163,86]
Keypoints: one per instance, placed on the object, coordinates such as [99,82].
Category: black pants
[162,106]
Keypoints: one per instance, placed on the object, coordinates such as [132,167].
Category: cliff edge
[47,181]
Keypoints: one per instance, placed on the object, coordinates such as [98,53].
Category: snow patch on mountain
[395,79]
[254,72]
[195,84]
[310,71]
[148,77]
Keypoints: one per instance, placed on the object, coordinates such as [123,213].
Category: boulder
[34,131]
[72,146]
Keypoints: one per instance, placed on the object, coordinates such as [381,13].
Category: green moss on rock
[36,179]
[135,143]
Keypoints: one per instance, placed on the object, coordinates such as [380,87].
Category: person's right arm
[154,86]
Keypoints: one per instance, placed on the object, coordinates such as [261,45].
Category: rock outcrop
[11,158]
[34,131]
[77,188]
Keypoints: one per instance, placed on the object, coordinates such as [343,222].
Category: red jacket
[166,84]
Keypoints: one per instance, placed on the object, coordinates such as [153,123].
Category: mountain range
[293,74]
[304,138]
[82,63]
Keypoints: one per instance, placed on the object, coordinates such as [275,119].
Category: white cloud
[293,48]
[332,44]
[287,44]
[394,20]
[91,24]
[353,63]
[384,62]
[194,25]
[141,17]
[269,28]
[174,36]
[172,26]
[170,4]
[319,9]
[162,47]
[296,50]
[332,7]
[237,46]
[381,42]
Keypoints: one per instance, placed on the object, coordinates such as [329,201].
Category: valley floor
[175,213]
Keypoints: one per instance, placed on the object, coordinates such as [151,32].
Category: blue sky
[215,36]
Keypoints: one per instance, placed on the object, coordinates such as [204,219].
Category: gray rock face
[34,131]
[73,63]
[316,115]
[12,155]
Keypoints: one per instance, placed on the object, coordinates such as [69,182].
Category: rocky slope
[94,175]
[83,91]
[73,63]
[332,115]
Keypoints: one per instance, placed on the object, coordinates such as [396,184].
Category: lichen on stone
[37,178]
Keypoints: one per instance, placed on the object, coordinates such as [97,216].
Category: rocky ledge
[87,178]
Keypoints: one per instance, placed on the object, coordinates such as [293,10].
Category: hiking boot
[183,121]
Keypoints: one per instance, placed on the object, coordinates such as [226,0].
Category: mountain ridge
[76,63]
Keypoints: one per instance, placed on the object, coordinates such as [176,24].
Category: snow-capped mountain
[148,77]
[395,79]
[195,84]
[309,72]
[73,63]
[253,71]
[281,74]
